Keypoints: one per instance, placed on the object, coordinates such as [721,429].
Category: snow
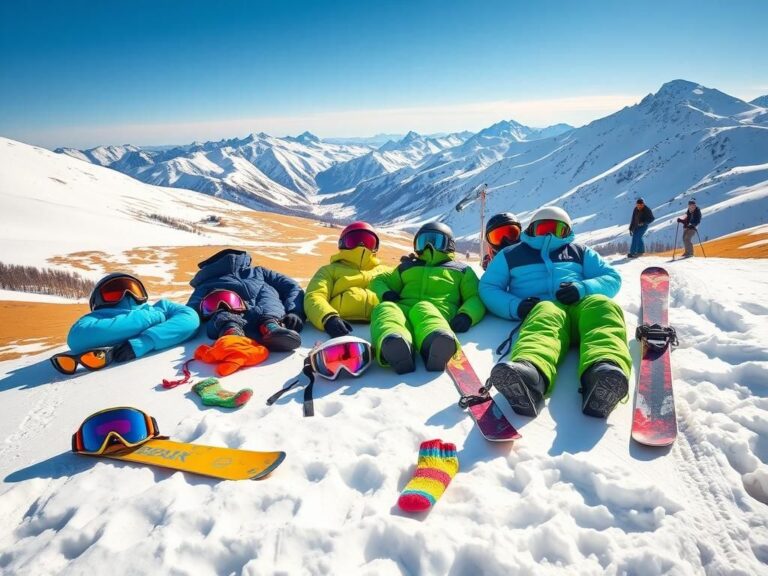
[78,204]
[13,296]
[574,496]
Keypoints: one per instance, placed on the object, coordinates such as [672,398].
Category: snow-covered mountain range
[259,171]
[683,141]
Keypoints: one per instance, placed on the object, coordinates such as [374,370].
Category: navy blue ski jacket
[268,294]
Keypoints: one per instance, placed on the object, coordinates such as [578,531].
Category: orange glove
[232,353]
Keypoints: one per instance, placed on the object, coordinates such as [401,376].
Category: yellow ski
[223,463]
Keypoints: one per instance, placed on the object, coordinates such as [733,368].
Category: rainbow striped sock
[437,465]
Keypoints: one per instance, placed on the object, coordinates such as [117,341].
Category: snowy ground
[574,495]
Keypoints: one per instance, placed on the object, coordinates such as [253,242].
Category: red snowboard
[490,420]
[654,422]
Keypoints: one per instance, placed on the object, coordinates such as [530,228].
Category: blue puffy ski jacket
[268,294]
[535,267]
[146,326]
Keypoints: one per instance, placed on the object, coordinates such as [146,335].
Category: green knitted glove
[212,394]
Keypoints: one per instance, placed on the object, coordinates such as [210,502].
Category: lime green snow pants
[596,323]
[415,323]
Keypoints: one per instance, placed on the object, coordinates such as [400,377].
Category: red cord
[168,384]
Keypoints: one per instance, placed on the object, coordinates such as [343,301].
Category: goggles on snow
[94,359]
[123,426]
[220,299]
[503,235]
[114,290]
[347,353]
[554,227]
[328,359]
[356,238]
[437,240]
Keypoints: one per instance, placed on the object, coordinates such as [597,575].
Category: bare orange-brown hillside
[745,245]
[300,247]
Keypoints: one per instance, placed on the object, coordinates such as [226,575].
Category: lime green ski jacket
[436,277]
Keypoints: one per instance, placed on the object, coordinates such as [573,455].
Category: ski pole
[700,244]
[677,230]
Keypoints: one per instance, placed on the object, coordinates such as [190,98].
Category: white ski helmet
[550,213]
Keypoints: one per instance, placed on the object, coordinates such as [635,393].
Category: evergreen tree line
[175,223]
[44,281]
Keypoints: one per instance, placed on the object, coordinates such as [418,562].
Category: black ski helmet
[501,219]
[96,301]
[437,227]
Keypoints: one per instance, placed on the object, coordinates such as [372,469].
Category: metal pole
[700,244]
[482,222]
[677,230]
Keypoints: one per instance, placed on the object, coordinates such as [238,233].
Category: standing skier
[339,292]
[561,292]
[502,230]
[121,317]
[274,303]
[690,221]
[425,300]
[638,225]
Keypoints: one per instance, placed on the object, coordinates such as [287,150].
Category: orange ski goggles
[507,232]
[122,427]
[95,359]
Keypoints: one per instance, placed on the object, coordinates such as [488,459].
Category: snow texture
[574,496]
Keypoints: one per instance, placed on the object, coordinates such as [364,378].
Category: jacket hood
[552,242]
[359,257]
[220,264]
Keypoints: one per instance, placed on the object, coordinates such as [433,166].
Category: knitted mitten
[437,465]
[211,393]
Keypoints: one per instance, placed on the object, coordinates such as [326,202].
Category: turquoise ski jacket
[147,327]
[535,267]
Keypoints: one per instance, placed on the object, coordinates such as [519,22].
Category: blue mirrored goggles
[437,240]
[127,425]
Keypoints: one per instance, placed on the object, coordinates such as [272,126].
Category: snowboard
[222,463]
[490,420]
[654,422]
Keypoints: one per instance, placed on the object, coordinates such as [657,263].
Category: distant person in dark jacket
[641,219]
[275,303]
[691,219]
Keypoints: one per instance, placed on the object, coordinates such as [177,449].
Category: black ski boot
[603,385]
[277,338]
[521,384]
[397,352]
[437,349]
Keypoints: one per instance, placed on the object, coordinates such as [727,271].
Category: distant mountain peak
[760,101]
[410,137]
[307,137]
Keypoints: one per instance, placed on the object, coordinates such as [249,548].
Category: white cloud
[440,118]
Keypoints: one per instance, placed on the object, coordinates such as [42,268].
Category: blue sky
[82,73]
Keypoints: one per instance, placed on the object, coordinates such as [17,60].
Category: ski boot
[277,338]
[603,385]
[397,352]
[437,349]
[522,384]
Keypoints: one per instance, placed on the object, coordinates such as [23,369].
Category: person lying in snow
[427,298]
[274,302]
[120,317]
[502,230]
[339,292]
[561,292]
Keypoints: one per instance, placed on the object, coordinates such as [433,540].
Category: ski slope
[574,495]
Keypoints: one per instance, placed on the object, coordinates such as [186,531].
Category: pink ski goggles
[221,300]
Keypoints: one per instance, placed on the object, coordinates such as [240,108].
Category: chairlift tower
[477,193]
